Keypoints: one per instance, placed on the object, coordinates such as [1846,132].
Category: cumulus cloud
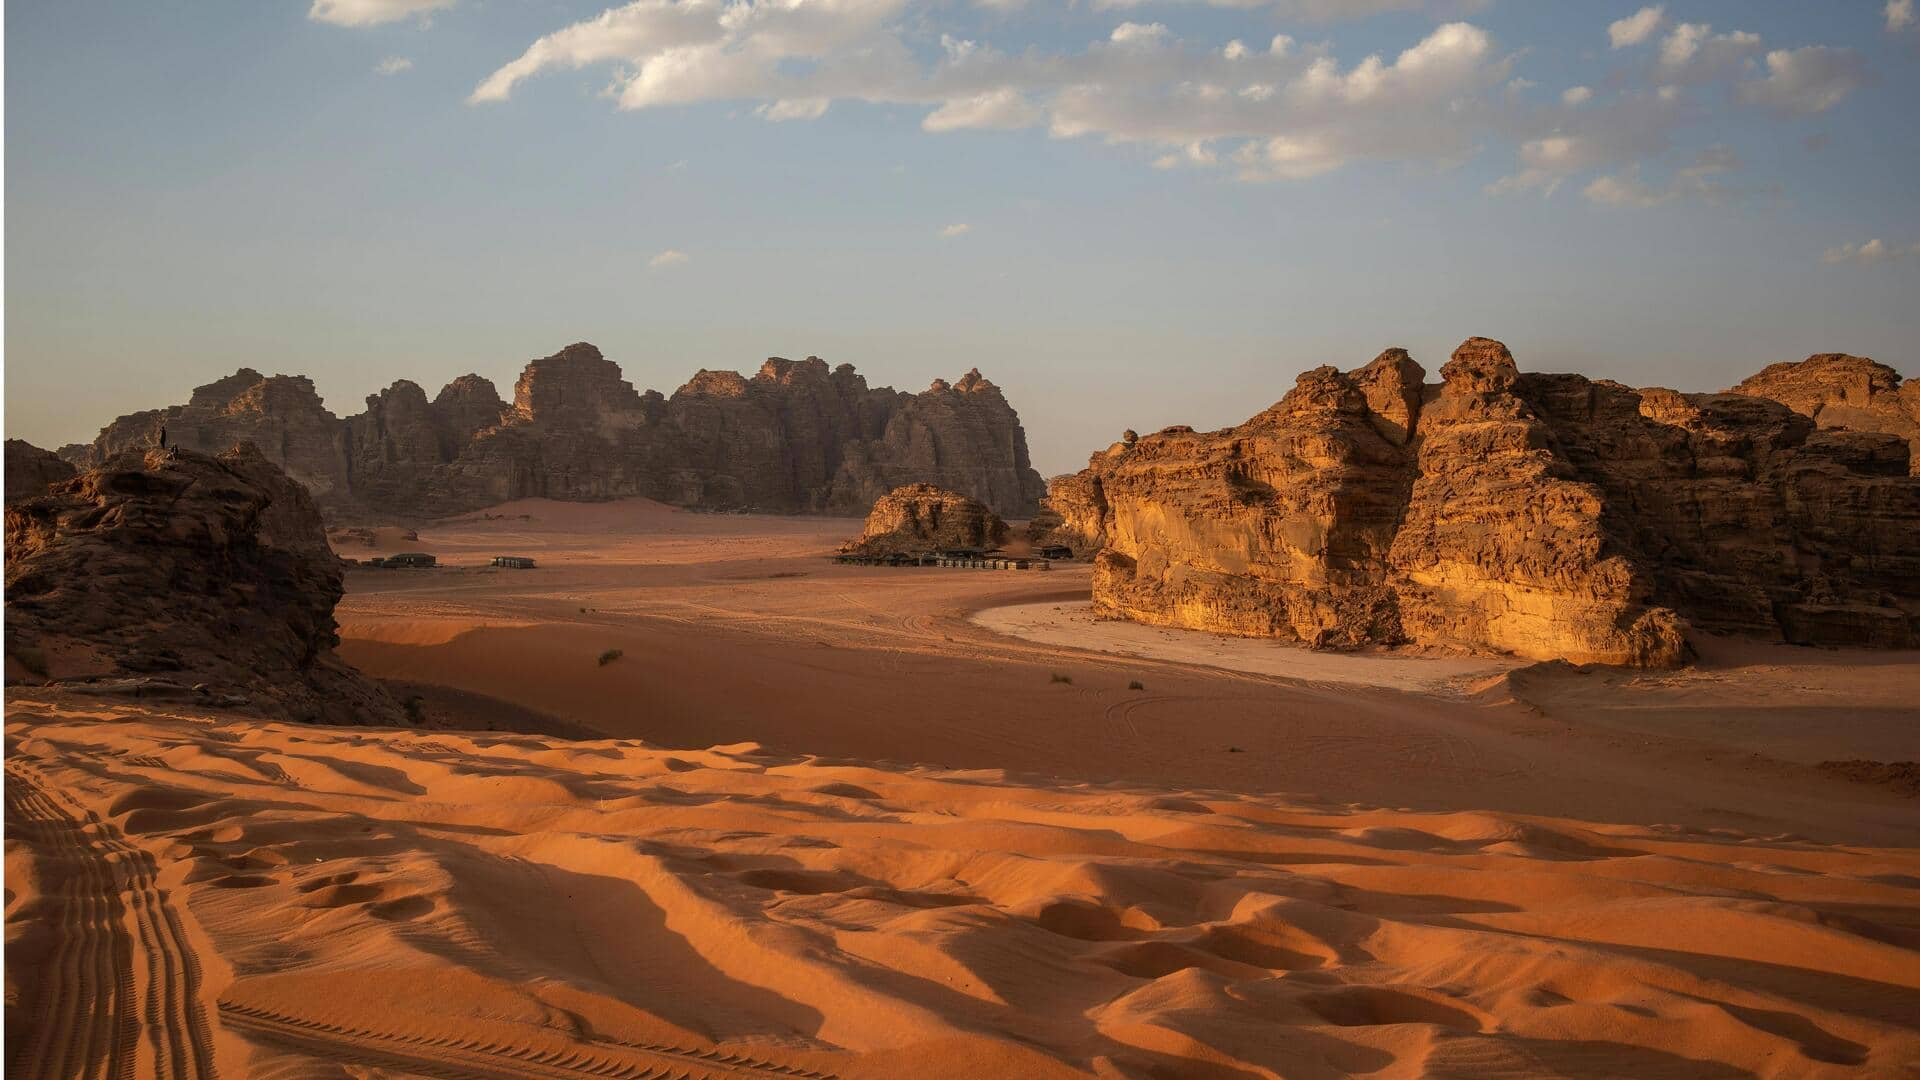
[958,228]
[1693,53]
[1806,80]
[393,65]
[1696,180]
[1636,28]
[667,259]
[1306,10]
[1873,251]
[1899,15]
[1576,95]
[1280,112]
[372,12]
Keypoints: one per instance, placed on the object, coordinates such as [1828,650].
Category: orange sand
[1476,875]
[304,902]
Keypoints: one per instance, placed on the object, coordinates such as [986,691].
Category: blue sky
[1128,213]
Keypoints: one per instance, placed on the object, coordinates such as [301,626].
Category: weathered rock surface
[174,573]
[1841,391]
[920,518]
[1545,516]
[795,438]
[30,470]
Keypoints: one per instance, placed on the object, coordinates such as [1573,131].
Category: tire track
[123,976]
[450,1056]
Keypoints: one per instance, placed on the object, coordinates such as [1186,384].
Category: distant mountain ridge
[796,437]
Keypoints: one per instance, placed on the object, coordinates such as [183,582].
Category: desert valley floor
[819,819]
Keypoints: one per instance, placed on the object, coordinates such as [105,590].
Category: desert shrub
[610,656]
[412,708]
[1059,678]
[1135,685]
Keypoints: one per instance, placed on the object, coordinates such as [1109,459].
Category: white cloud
[1899,15]
[1693,53]
[1000,108]
[393,65]
[1576,95]
[1306,10]
[667,259]
[372,12]
[1287,112]
[958,228]
[1806,80]
[1626,188]
[1637,27]
[1873,251]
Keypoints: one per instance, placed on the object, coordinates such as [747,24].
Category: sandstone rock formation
[920,518]
[1841,391]
[1545,516]
[165,570]
[795,438]
[30,470]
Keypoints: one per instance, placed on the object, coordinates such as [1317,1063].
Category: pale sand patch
[1076,626]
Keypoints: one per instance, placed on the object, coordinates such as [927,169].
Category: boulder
[168,569]
[921,518]
[1841,391]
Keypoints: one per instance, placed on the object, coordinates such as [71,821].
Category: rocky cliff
[796,437]
[175,573]
[1545,516]
[1841,391]
[919,518]
[31,470]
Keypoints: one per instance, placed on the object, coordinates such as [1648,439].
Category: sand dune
[288,901]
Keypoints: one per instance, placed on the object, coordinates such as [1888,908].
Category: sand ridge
[516,905]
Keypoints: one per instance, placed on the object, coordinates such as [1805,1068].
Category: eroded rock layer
[1544,516]
[920,518]
[31,470]
[797,437]
[174,573]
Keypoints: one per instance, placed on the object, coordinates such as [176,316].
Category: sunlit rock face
[796,437]
[1841,391]
[1542,516]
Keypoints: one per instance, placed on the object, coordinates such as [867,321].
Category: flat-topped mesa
[921,518]
[1543,516]
[174,573]
[1841,391]
[796,437]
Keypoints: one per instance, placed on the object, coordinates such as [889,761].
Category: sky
[1127,213]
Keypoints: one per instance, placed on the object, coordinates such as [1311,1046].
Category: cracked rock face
[919,518]
[796,437]
[174,572]
[1542,516]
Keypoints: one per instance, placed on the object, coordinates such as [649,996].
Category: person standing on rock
[163,436]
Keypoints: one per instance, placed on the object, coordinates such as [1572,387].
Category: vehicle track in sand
[449,1056]
[119,996]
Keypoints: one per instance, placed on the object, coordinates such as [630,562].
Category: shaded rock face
[797,437]
[920,518]
[31,470]
[1841,391]
[162,570]
[1544,516]
[280,414]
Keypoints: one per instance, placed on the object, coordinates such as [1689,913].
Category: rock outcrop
[920,518]
[31,470]
[1841,391]
[795,438]
[1543,516]
[175,573]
